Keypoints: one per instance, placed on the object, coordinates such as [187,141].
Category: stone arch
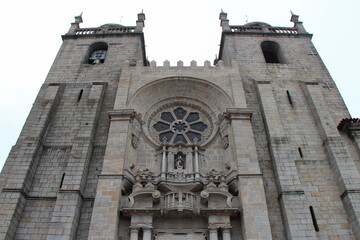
[96,53]
[179,88]
[272,52]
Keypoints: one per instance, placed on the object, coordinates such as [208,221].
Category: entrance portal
[174,236]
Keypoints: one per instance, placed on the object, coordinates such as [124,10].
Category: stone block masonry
[117,148]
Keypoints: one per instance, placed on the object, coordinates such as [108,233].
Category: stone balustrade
[180,201]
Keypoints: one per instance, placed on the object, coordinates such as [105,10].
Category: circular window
[180,124]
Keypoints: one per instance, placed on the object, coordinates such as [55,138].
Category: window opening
[300,152]
[289,97]
[97,57]
[316,226]
[80,94]
[62,180]
[97,53]
[272,52]
[180,125]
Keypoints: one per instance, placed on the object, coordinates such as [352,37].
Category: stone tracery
[180,124]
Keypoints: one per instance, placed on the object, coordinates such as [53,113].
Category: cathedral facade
[257,145]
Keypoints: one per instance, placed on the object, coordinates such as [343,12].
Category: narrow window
[62,180]
[272,52]
[300,152]
[80,94]
[289,97]
[97,53]
[316,226]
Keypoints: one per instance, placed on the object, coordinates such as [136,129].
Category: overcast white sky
[174,30]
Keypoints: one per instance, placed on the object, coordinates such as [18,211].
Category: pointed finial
[78,19]
[297,24]
[140,23]
[294,17]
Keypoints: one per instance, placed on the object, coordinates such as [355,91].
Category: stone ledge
[296,192]
[350,191]
[239,113]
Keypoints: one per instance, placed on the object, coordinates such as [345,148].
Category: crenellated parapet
[179,64]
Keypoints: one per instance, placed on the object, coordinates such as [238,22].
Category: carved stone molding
[124,115]
[239,113]
[351,126]
[223,130]
[180,122]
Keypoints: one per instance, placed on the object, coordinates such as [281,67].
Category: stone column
[105,216]
[196,163]
[213,233]
[340,160]
[255,219]
[163,163]
[170,161]
[296,218]
[134,234]
[146,233]
[189,161]
[226,234]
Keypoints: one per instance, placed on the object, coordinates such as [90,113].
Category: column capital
[226,228]
[147,228]
[213,228]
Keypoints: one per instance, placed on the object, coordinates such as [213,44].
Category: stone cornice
[124,115]
[239,113]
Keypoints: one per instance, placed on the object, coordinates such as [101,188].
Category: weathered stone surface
[124,149]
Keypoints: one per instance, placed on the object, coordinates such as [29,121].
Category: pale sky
[174,30]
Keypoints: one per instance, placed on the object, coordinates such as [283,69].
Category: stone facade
[258,146]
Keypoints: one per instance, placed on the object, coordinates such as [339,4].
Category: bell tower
[259,145]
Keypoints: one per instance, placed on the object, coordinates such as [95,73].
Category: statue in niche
[179,162]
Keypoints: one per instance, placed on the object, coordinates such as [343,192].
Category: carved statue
[179,162]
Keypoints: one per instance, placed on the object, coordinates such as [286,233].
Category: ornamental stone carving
[180,123]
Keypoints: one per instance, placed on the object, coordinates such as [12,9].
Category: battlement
[180,64]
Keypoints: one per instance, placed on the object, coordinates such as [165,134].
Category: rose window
[181,124]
